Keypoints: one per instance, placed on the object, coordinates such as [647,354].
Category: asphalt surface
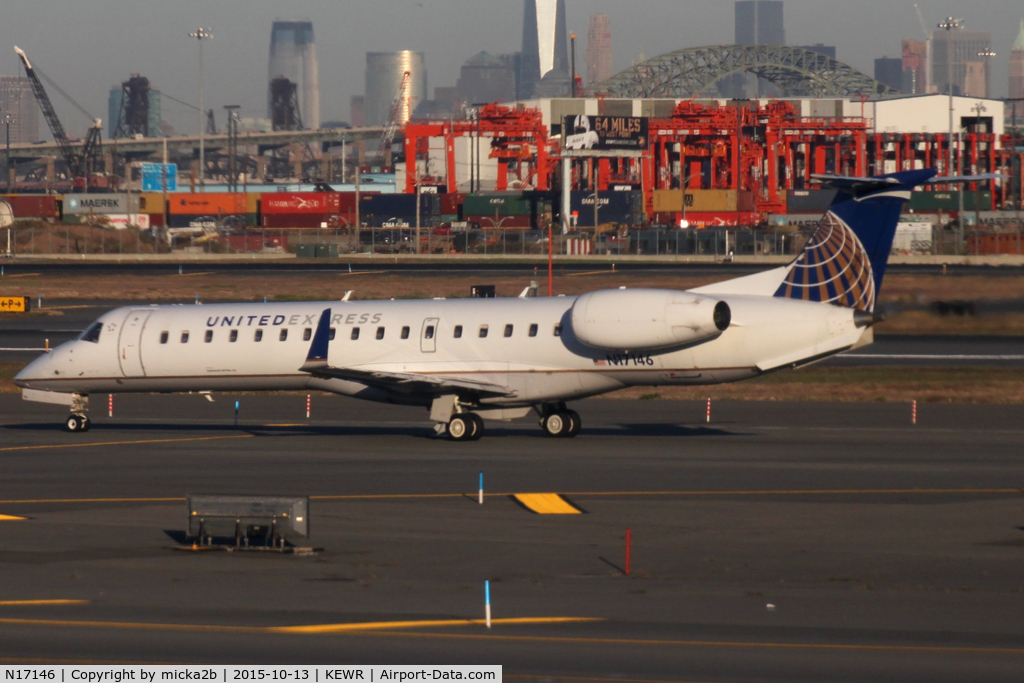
[359,262]
[786,541]
[32,333]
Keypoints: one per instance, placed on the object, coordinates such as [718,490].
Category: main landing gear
[78,421]
[560,422]
[465,427]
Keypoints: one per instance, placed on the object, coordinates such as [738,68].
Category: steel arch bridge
[688,73]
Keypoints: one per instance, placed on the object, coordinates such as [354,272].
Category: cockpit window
[92,333]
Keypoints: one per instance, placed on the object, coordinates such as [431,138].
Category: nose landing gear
[77,422]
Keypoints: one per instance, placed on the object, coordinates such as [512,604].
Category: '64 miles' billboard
[615,135]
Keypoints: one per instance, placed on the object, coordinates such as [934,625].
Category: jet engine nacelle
[647,319]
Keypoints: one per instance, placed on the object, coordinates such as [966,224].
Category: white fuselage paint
[131,355]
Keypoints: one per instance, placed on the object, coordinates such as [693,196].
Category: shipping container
[496,203]
[666,201]
[995,243]
[293,203]
[451,202]
[949,201]
[302,220]
[153,202]
[667,218]
[230,222]
[710,200]
[252,202]
[99,204]
[207,203]
[721,219]
[614,202]
[384,206]
[488,222]
[33,205]
[809,201]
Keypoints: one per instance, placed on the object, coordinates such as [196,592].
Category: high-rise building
[915,67]
[951,53]
[141,114]
[599,49]
[16,99]
[357,111]
[384,74]
[889,70]
[1017,66]
[545,54]
[760,22]
[293,56]
[486,78]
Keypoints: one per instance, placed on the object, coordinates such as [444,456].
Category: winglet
[316,359]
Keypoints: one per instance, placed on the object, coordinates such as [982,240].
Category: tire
[478,427]
[577,424]
[86,423]
[73,423]
[461,427]
[557,425]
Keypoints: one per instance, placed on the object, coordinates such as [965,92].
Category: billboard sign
[153,177]
[605,135]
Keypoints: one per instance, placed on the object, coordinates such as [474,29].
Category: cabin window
[558,330]
[92,334]
[457,332]
[306,334]
[533,330]
[284,334]
[164,336]
[209,336]
[483,331]
[508,330]
[355,333]
[331,334]
[233,337]
[429,332]
[405,332]
[184,337]
[258,336]
[380,333]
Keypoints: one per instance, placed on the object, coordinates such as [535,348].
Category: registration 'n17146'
[622,359]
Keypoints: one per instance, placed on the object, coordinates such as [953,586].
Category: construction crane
[399,107]
[77,163]
[924,26]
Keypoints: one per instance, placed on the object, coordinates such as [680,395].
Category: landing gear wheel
[462,427]
[577,423]
[77,423]
[478,426]
[557,424]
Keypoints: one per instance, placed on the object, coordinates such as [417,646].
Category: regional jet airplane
[474,359]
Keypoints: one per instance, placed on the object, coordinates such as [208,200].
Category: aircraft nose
[36,370]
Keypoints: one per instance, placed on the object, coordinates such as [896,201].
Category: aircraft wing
[407,383]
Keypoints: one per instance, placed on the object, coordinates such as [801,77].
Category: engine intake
[647,319]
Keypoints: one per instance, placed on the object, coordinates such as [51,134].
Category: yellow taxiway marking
[123,443]
[23,275]
[288,425]
[10,518]
[7,603]
[312,629]
[928,649]
[364,272]
[593,272]
[546,504]
[473,495]
[187,274]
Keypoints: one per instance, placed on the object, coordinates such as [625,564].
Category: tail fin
[845,259]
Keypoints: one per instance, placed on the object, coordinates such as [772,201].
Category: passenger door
[428,335]
[129,343]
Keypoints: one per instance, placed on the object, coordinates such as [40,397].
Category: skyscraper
[293,56]
[952,52]
[890,71]
[384,74]
[599,49]
[1017,66]
[915,67]
[760,22]
[545,48]
[486,78]
[16,99]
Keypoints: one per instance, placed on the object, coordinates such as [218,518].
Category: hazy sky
[90,45]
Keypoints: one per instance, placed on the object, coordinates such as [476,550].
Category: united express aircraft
[474,359]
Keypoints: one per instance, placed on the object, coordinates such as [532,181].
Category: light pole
[7,156]
[232,146]
[987,53]
[201,34]
[949,25]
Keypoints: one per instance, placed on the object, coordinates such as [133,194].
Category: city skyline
[151,39]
